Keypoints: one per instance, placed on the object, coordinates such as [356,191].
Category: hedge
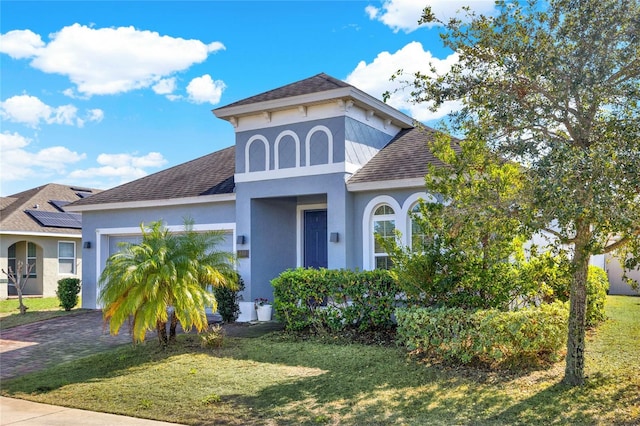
[490,337]
[335,300]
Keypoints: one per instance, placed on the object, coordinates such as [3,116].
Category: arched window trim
[368,240]
[307,143]
[247,161]
[407,207]
[296,139]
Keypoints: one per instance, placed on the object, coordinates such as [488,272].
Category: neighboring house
[615,272]
[35,228]
[317,168]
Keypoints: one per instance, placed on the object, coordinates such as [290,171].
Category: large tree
[166,278]
[555,86]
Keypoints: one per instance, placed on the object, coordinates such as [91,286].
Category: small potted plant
[263,308]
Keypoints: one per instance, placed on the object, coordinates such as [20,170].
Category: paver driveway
[32,347]
[35,346]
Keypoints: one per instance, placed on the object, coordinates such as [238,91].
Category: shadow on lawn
[360,385]
[108,364]
[381,386]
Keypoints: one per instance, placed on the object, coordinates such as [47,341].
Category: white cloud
[204,89]
[374,78]
[152,159]
[166,86]
[403,15]
[20,44]
[96,115]
[102,61]
[119,168]
[32,111]
[19,163]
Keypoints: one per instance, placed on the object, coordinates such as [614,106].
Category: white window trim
[66,258]
[368,241]
[276,150]
[307,141]
[407,207]
[402,218]
[247,161]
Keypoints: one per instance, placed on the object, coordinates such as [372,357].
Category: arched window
[383,228]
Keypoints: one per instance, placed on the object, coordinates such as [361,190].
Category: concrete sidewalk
[26,413]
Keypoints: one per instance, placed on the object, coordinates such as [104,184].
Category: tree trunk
[23,309]
[172,327]
[574,370]
[161,328]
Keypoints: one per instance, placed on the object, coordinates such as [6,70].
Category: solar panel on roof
[83,194]
[78,188]
[57,219]
[59,204]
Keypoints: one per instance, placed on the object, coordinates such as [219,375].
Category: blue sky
[98,93]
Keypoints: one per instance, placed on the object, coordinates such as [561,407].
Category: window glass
[11,259]
[66,257]
[418,237]
[384,225]
[31,258]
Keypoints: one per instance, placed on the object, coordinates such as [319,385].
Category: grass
[40,308]
[273,380]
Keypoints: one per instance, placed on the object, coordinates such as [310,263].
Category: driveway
[42,344]
[39,345]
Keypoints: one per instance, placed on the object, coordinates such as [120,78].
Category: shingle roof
[208,175]
[13,212]
[318,83]
[406,156]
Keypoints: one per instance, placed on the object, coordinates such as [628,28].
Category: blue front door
[315,239]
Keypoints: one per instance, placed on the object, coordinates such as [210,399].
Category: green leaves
[490,337]
[164,271]
[324,300]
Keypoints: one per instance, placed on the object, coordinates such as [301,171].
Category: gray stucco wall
[273,224]
[284,196]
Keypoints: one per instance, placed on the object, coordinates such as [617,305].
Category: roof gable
[405,157]
[22,212]
[318,83]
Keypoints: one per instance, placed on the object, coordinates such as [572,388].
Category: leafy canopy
[555,86]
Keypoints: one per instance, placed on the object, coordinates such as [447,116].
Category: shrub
[489,337]
[597,289]
[443,274]
[227,299]
[67,292]
[213,337]
[335,300]
[547,277]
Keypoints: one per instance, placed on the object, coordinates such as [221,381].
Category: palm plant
[166,277]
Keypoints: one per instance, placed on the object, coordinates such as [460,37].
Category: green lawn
[40,308]
[273,380]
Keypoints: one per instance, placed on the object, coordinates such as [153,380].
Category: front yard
[274,380]
[40,308]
